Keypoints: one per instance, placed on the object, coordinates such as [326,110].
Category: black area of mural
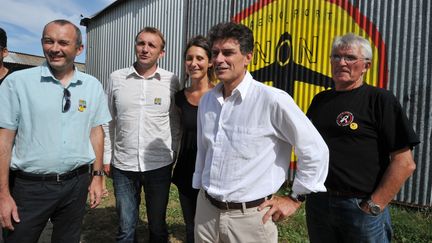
[283,76]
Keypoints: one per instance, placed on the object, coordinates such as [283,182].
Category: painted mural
[293,43]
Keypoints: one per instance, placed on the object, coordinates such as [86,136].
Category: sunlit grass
[409,225]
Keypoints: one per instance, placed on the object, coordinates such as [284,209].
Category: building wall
[110,36]
[293,41]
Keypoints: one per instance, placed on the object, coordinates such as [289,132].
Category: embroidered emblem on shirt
[157,101]
[345,118]
[82,105]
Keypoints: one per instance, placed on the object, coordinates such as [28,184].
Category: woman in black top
[199,71]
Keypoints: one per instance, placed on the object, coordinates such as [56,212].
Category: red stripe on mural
[251,9]
[360,19]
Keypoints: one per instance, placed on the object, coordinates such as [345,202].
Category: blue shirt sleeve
[9,104]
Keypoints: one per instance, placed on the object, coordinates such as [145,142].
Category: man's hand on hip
[280,208]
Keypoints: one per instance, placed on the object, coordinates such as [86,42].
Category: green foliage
[411,224]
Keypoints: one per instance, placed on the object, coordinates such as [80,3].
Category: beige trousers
[238,225]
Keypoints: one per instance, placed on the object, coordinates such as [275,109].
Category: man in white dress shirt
[141,140]
[246,131]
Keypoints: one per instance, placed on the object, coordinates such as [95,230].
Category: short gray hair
[63,22]
[351,40]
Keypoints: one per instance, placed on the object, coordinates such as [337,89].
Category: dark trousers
[127,190]
[61,202]
[188,205]
[337,219]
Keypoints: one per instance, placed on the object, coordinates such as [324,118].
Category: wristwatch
[374,208]
[98,173]
[297,197]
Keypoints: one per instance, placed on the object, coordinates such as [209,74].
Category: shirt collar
[49,77]
[244,85]
[241,89]
[156,75]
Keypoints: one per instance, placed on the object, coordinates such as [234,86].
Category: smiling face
[148,50]
[197,63]
[59,44]
[228,61]
[348,75]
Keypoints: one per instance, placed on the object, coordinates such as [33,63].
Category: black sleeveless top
[185,166]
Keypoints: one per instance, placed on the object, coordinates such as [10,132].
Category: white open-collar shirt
[245,143]
[145,129]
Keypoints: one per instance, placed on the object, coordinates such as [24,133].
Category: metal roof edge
[33,60]
[85,21]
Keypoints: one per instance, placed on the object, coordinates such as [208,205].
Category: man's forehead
[55,28]
[151,37]
[55,25]
[347,48]
[228,43]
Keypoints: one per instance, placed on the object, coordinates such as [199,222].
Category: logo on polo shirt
[82,105]
[345,118]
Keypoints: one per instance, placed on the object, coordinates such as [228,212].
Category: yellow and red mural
[293,41]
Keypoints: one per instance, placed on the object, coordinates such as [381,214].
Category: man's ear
[162,54]
[248,58]
[5,52]
[367,65]
[80,49]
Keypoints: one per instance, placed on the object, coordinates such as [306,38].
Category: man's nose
[55,47]
[145,48]
[218,58]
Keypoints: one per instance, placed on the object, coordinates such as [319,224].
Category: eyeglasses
[348,59]
[66,102]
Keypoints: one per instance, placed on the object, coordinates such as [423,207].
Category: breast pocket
[247,143]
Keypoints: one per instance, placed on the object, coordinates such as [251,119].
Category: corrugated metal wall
[110,36]
[201,15]
[292,51]
[406,29]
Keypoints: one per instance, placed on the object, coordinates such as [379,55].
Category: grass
[411,225]
[100,225]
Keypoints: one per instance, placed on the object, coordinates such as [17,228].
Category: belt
[52,177]
[234,205]
[347,194]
